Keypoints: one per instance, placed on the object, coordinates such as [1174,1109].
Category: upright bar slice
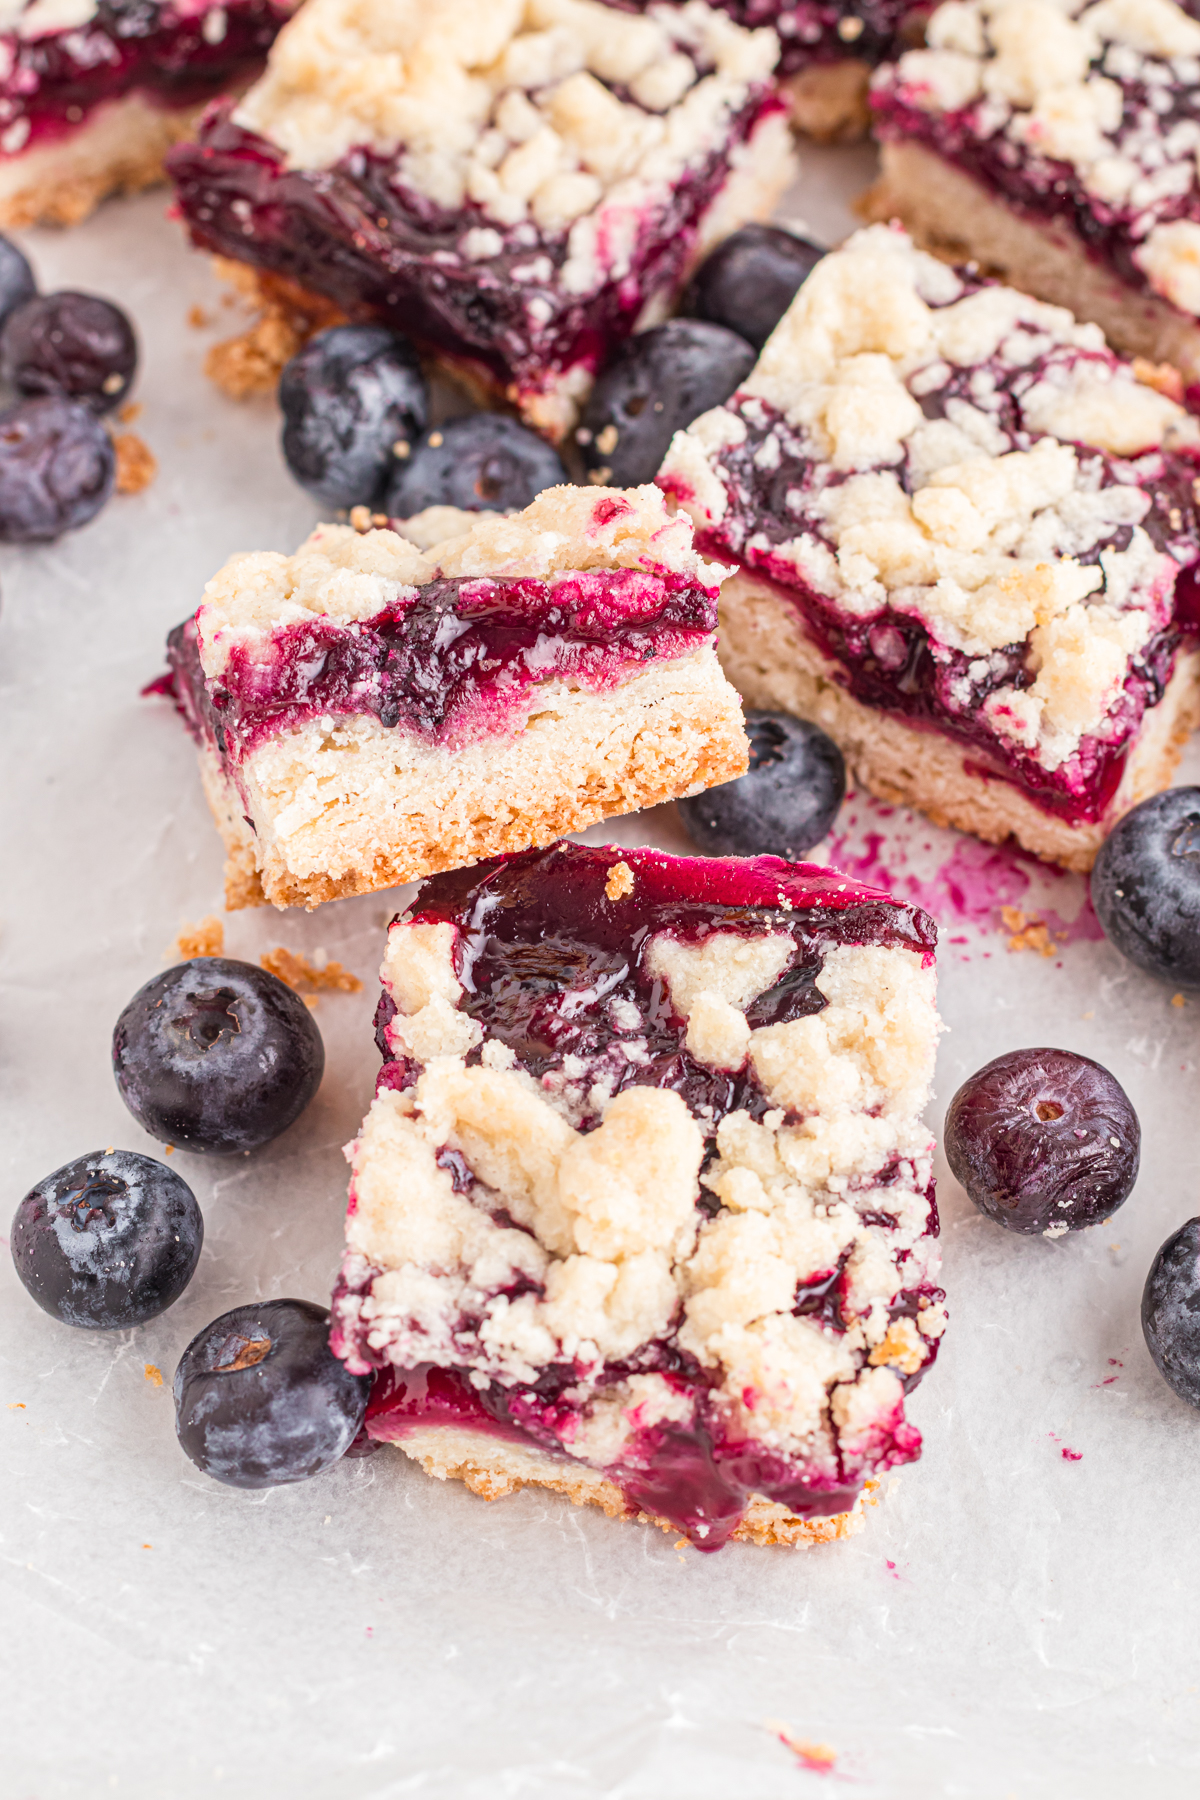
[94,92]
[515,183]
[966,536]
[368,713]
[1056,146]
[642,1211]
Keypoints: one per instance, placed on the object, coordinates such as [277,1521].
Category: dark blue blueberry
[1043,1139]
[261,1399]
[353,400]
[107,1241]
[16,278]
[1171,1312]
[784,803]
[76,345]
[216,1055]
[658,382]
[57,469]
[748,282]
[1146,886]
[485,462]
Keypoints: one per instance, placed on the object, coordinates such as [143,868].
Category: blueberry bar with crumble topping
[368,713]
[966,545]
[94,92]
[517,184]
[1057,146]
[642,1210]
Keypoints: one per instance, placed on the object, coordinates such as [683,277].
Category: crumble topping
[39,18]
[535,110]
[1108,90]
[963,456]
[493,1230]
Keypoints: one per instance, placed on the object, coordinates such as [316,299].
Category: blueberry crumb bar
[642,1211]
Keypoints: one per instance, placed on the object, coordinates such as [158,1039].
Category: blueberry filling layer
[557,971]
[178,57]
[450,664]
[890,658]
[359,235]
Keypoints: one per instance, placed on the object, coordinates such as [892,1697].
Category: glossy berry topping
[485,462]
[748,282]
[1146,886]
[57,469]
[216,1055]
[1171,1312]
[16,278]
[260,1398]
[784,803]
[353,400]
[72,344]
[108,1241]
[658,382]
[1044,1140]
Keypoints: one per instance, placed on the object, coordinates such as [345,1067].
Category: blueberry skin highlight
[57,469]
[657,383]
[16,278]
[784,803]
[76,345]
[107,1241]
[748,282]
[1145,886]
[216,1055]
[260,1398]
[1171,1312]
[1043,1138]
[351,395]
[484,462]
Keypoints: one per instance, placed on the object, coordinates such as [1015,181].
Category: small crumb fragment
[1026,933]
[620,881]
[205,939]
[1178,1000]
[130,412]
[436,440]
[147,1546]
[902,1348]
[197,318]
[168,1150]
[606,442]
[298,973]
[153,1374]
[598,477]
[360,518]
[820,1758]
[137,464]
[1089,1015]
[1056,1231]
[16,1406]
[1163,377]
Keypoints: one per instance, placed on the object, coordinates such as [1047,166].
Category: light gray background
[1010,1622]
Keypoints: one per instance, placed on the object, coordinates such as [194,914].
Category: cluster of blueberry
[70,359]
[356,406]
[214,1056]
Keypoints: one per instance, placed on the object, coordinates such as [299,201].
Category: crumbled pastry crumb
[252,362]
[1163,377]
[198,319]
[153,1374]
[901,1348]
[306,977]
[137,464]
[1027,933]
[820,1758]
[1056,1231]
[205,939]
[1178,1000]
[131,412]
[620,881]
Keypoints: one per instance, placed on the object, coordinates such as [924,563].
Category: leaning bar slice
[368,713]
[966,536]
[642,1211]
[515,183]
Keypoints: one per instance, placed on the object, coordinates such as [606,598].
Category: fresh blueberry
[261,1399]
[658,382]
[783,804]
[16,278]
[1146,886]
[216,1055]
[748,282]
[1171,1312]
[1044,1140]
[484,462]
[57,469]
[76,345]
[353,400]
[107,1241]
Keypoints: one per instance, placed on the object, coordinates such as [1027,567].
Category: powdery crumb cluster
[918,450]
[514,1215]
[1105,95]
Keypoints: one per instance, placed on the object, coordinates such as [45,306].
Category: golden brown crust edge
[828,101]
